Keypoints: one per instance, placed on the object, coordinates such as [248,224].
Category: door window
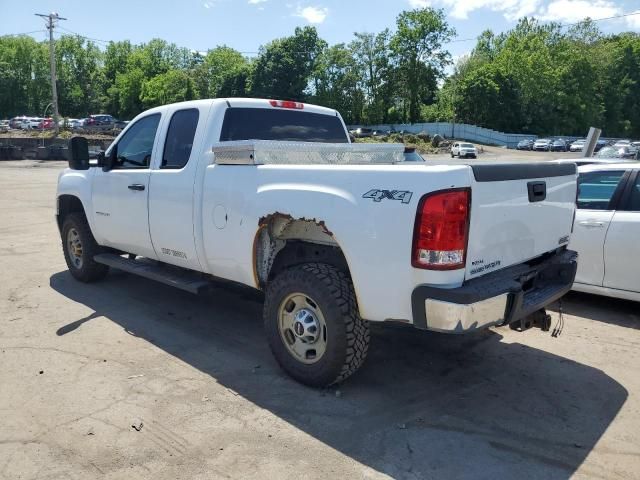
[136,145]
[596,189]
[180,135]
[633,204]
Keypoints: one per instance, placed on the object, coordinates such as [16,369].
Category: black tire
[347,334]
[89,270]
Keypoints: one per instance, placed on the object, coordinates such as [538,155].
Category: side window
[596,189]
[135,147]
[180,135]
[633,204]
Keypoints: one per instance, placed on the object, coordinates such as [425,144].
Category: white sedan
[606,231]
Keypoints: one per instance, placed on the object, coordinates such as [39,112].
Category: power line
[86,38]
[20,34]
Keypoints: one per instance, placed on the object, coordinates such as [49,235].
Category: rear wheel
[313,325]
[79,248]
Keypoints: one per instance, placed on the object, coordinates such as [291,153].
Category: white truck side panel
[77,183]
[371,234]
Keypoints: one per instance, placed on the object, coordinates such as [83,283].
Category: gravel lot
[131,379]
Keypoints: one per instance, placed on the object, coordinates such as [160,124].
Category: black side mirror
[108,162]
[78,153]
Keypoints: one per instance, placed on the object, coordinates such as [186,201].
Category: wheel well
[298,252]
[68,204]
[282,242]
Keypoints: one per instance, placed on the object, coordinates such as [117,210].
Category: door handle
[136,186]
[591,224]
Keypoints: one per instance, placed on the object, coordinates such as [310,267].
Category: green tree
[417,47]
[372,55]
[79,76]
[170,87]
[284,66]
[336,83]
[223,72]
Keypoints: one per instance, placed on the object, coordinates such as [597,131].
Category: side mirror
[78,153]
[108,162]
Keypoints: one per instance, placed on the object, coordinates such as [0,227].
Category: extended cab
[271,194]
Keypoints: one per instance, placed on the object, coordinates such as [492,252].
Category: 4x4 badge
[378,195]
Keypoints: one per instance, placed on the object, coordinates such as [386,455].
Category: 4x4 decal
[378,195]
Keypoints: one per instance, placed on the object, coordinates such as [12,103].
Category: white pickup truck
[271,194]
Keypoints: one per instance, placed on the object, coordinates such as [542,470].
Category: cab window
[180,135]
[135,147]
[596,189]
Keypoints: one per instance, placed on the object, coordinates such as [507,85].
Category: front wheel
[313,326]
[79,248]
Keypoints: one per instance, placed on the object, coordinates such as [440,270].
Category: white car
[271,194]
[606,231]
[463,150]
[577,146]
[33,123]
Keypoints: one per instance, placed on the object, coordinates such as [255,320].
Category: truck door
[596,191]
[621,248]
[172,183]
[120,195]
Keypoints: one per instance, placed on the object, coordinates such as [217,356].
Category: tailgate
[518,212]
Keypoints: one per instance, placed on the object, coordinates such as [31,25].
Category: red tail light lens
[441,230]
[286,104]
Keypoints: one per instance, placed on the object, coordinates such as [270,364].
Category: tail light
[286,104]
[441,230]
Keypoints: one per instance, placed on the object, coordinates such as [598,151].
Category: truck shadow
[424,405]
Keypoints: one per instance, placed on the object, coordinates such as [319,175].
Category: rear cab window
[282,125]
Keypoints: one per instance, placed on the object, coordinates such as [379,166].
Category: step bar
[183,279]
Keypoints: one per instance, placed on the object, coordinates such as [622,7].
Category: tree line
[536,78]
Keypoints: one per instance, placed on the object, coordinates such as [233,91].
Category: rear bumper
[498,298]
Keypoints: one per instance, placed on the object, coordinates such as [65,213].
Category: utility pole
[52,18]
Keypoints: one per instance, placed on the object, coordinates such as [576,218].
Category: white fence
[460,131]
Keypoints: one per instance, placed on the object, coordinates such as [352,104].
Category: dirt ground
[127,378]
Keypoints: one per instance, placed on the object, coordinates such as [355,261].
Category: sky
[247,24]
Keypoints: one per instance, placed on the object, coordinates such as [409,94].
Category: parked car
[526,144]
[120,124]
[618,152]
[558,145]
[622,143]
[289,229]
[463,150]
[578,145]
[599,145]
[362,132]
[45,124]
[380,133]
[34,123]
[4,126]
[542,144]
[607,229]
[99,122]
[71,123]
[16,122]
